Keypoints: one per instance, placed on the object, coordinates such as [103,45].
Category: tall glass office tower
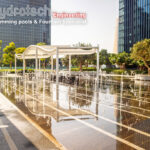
[134,22]
[26,33]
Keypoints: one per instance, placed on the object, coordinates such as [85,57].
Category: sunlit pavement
[16,133]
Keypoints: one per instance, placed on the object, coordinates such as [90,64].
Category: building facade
[115,49]
[19,22]
[134,23]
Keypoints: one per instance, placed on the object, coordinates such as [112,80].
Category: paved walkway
[16,133]
[12,138]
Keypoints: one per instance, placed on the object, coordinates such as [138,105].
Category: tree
[79,60]
[121,59]
[140,64]
[19,50]
[104,57]
[65,61]
[141,52]
[113,59]
[92,59]
[130,61]
[9,54]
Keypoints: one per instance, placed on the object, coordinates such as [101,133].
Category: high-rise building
[20,22]
[115,49]
[134,23]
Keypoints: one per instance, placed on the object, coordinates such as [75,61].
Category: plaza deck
[84,115]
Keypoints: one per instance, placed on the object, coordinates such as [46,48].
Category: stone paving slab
[19,140]
[16,133]
[3,142]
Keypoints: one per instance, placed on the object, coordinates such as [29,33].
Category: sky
[100,26]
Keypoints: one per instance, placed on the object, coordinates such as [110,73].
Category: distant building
[134,23]
[115,49]
[24,35]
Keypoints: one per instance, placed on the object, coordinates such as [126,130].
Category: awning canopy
[37,52]
[45,51]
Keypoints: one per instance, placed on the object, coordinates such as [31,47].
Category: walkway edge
[34,124]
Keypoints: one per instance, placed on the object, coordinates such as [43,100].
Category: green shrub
[75,69]
[119,71]
[123,71]
[30,70]
[108,70]
[141,72]
[84,69]
[89,69]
